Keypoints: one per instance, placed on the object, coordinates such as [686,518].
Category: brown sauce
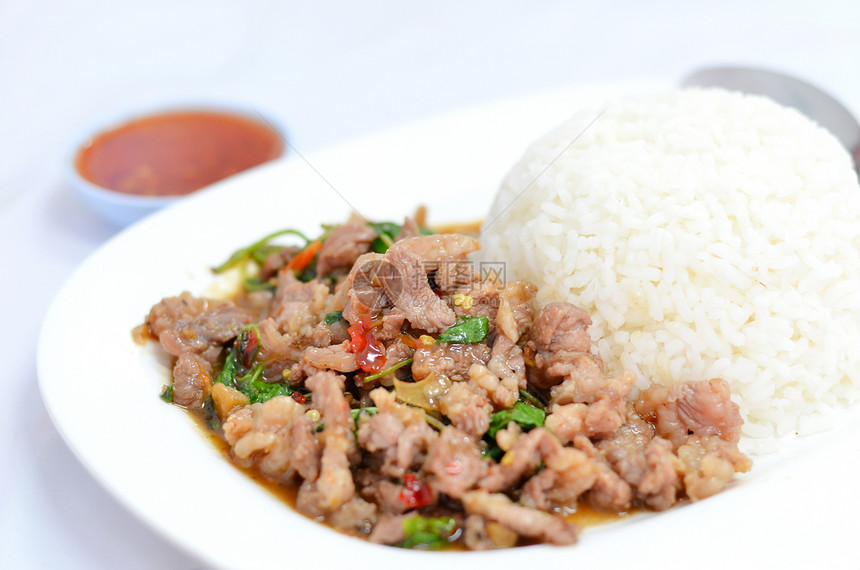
[176,153]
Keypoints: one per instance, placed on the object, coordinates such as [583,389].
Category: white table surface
[330,71]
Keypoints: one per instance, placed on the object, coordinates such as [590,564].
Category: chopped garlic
[465,301]
[426,340]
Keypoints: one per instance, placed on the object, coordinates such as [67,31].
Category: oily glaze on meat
[413,404]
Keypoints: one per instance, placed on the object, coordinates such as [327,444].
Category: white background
[329,71]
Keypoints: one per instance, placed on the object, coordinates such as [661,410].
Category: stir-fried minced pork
[588,402]
[188,324]
[409,290]
[708,464]
[455,462]
[191,380]
[335,482]
[414,400]
[398,433]
[344,246]
[468,408]
[275,436]
[522,520]
[559,334]
[438,249]
[297,306]
[502,392]
[698,408]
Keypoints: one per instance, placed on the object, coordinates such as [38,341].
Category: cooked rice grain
[708,233]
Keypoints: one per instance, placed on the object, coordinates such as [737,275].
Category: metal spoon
[789,91]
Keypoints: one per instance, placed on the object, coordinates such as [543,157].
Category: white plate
[102,390]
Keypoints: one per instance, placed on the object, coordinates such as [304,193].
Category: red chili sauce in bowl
[176,152]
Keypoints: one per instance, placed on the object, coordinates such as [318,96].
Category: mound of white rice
[708,234]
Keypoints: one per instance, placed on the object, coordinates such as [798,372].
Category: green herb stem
[388,370]
[246,252]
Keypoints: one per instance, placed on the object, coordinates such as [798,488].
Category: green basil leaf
[167,393]
[468,330]
[527,416]
[387,232]
[333,317]
[228,372]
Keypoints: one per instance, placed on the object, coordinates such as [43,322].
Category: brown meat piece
[507,362]
[452,360]
[399,278]
[625,450]
[437,247]
[585,382]
[568,473]
[335,482]
[356,516]
[399,433]
[276,436]
[559,334]
[645,462]
[708,464]
[362,293]
[610,493]
[382,491]
[392,325]
[659,488]
[191,380]
[275,346]
[337,357]
[164,315]
[520,295]
[521,460]
[380,431]
[482,534]
[503,393]
[296,306]
[455,461]
[389,529]
[455,275]
[409,229]
[588,402]
[522,520]
[189,324]
[407,287]
[694,408]
[344,246]
[467,407]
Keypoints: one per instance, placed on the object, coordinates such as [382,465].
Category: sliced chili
[301,260]
[369,353]
[415,493]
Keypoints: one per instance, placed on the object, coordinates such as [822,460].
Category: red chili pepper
[369,354]
[415,493]
[249,346]
[298,397]
[301,260]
